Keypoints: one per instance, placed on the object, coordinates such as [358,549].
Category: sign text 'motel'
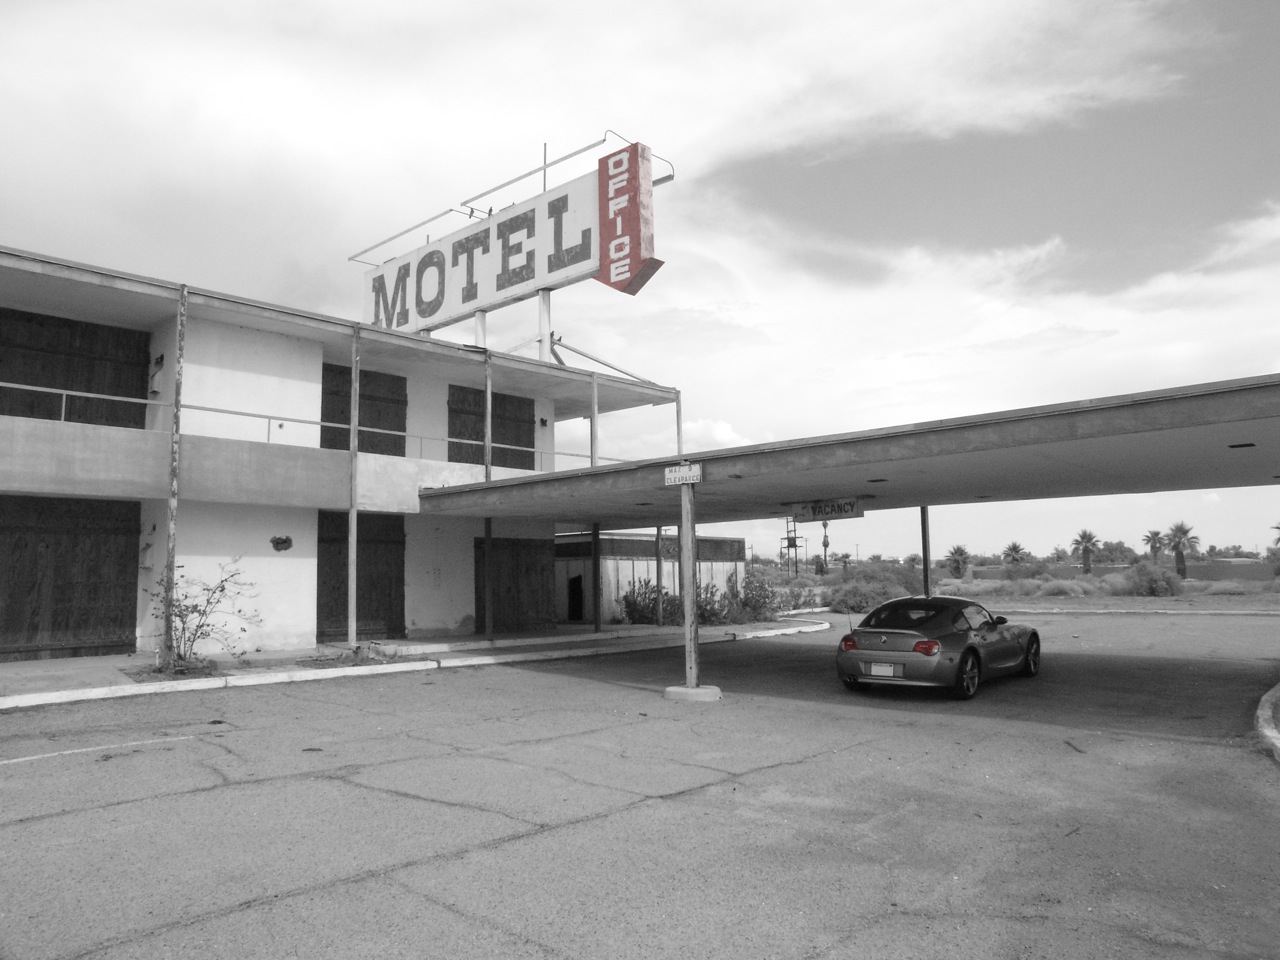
[599,225]
[826,510]
[684,473]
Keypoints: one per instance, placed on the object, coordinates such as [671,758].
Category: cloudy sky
[882,213]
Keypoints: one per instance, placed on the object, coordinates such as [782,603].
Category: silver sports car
[935,642]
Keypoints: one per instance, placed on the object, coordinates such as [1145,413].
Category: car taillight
[848,643]
[929,648]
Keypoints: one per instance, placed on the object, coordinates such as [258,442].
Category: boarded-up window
[384,401]
[71,355]
[68,576]
[512,428]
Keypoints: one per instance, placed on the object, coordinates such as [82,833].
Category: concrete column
[353,521]
[488,417]
[657,549]
[692,689]
[175,446]
[487,567]
[596,591]
[924,548]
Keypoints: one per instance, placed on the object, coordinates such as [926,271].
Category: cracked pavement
[1117,805]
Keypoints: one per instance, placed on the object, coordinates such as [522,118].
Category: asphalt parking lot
[1118,805]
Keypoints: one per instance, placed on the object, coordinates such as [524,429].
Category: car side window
[959,622]
[977,617]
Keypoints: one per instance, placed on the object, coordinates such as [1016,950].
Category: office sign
[601,219]
[826,510]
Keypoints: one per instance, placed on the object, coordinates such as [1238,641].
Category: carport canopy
[1213,435]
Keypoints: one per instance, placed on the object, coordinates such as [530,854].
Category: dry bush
[1225,588]
[1061,588]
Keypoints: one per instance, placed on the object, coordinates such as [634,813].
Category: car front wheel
[1031,663]
[967,677]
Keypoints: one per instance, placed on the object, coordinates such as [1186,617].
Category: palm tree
[958,560]
[1276,527]
[1014,553]
[1154,540]
[1084,544]
[1179,539]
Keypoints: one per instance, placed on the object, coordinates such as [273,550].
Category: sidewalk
[28,683]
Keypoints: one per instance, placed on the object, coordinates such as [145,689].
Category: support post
[596,591]
[924,548]
[595,420]
[482,329]
[488,578]
[692,689]
[166,651]
[657,550]
[544,321]
[353,523]
[488,417]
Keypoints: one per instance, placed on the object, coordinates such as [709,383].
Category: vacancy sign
[626,220]
[599,225]
[826,510]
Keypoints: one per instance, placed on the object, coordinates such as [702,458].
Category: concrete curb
[1265,720]
[207,683]
[17,701]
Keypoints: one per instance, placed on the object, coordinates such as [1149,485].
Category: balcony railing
[74,406]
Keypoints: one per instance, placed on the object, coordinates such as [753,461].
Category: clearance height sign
[599,225]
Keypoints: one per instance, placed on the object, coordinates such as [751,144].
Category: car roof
[937,599]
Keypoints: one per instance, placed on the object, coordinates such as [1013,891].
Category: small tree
[1083,545]
[1154,540]
[1180,539]
[958,560]
[207,611]
[1014,553]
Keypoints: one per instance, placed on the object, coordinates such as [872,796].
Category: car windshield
[903,616]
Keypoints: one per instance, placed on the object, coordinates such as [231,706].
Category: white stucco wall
[617,574]
[439,563]
[232,368]
[284,583]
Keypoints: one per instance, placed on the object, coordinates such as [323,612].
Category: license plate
[882,669]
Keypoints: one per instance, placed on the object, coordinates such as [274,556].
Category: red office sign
[626,219]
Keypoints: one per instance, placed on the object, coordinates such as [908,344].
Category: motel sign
[599,225]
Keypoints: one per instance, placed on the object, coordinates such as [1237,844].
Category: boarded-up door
[524,583]
[379,577]
[68,577]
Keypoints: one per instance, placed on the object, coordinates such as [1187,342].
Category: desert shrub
[799,596]
[1227,588]
[756,599]
[713,606]
[973,588]
[1144,580]
[859,596]
[1060,588]
[640,604]
[1024,571]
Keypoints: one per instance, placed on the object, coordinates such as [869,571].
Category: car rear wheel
[1031,663]
[967,677]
